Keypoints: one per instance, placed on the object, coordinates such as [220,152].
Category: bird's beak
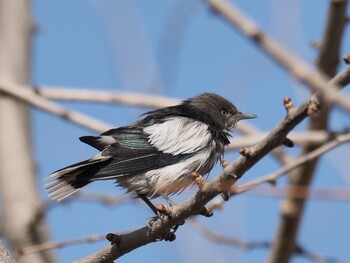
[243,116]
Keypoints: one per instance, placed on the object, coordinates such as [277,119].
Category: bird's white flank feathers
[179,135]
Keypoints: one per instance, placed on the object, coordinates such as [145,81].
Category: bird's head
[216,110]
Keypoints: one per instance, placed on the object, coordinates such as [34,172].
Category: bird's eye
[223,112]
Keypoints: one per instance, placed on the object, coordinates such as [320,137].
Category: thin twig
[237,243]
[339,140]
[110,200]
[303,192]
[222,239]
[53,245]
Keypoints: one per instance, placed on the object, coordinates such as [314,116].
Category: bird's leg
[151,220]
[200,182]
[148,203]
[172,203]
[169,200]
[170,236]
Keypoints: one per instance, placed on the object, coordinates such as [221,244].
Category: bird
[156,155]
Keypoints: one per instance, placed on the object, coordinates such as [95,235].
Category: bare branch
[316,80]
[292,209]
[301,138]
[223,239]
[302,192]
[126,98]
[19,195]
[29,96]
[52,245]
[111,200]
[5,256]
[340,139]
[194,205]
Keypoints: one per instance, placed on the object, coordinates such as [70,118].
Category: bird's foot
[170,236]
[161,212]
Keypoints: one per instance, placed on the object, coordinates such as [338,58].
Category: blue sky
[179,49]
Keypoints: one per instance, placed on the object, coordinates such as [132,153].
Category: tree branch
[222,183]
[222,239]
[327,63]
[19,195]
[29,96]
[209,190]
[126,98]
[316,80]
[5,256]
[339,140]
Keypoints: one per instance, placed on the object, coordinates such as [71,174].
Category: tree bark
[23,223]
[5,256]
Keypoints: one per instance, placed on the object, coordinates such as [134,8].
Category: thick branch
[18,184]
[194,205]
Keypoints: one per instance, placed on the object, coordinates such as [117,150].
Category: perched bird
[156,155]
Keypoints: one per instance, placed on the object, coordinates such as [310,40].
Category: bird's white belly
[170,179]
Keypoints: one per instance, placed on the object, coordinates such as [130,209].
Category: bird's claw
[150,221]
[170,236]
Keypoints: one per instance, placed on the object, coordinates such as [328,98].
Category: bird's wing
[130,153]
[179,135]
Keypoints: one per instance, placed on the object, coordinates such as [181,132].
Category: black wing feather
[131,154]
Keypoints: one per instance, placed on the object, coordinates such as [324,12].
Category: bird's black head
[212,109]
[215,111]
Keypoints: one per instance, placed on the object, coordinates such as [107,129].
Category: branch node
[288,104]
[207,212]
[312,108]
[288,143]
[198,180]
[225,196]
[224,163]
[272,182]
[346,58]
[114,239]
[245,152]
[164,210]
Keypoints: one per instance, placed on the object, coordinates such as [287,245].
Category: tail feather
[68,180]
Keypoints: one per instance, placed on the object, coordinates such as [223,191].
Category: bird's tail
[68,180]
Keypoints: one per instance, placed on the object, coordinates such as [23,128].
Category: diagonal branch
[29,96]
[234,242]
[194,205]
[339,140]
[316,80]
[327,63]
